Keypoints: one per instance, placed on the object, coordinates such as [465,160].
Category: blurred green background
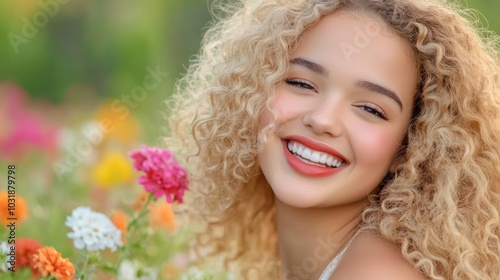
[103,44]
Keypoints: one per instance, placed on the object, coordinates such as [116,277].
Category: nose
[325,117]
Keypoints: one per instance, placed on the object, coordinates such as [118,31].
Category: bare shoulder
[370,257]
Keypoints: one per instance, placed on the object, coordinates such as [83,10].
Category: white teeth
[306,153]
[300,150]
[323,158]
[314,156]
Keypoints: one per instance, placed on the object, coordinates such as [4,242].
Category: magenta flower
[22,128]
[163,174]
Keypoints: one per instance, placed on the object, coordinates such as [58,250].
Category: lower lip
[308,169]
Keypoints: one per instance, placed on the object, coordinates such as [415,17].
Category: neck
[308,239]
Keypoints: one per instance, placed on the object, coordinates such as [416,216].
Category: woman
[349,139]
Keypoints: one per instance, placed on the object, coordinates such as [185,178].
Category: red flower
[26,248]
[163,174]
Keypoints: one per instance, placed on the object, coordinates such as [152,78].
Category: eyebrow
[380,89]
[316,68]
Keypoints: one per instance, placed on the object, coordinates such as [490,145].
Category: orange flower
[121,126]
[163,216]
[48,261]
[141,200]
[12,207]
[120,221]
[26,248]
[170,271]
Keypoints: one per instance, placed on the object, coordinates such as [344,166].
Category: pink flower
[21,127]
[163,174]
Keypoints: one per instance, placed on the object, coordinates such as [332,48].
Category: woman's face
[343,110]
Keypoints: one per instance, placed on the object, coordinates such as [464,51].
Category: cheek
[279,106]
[376,146]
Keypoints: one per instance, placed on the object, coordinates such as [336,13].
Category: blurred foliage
[103,47]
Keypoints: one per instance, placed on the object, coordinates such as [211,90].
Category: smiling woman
[331,108]
[337,108]
[348,139]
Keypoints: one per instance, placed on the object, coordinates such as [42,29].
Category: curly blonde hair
[441,208]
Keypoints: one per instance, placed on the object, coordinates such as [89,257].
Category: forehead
[355,30]
[354,45]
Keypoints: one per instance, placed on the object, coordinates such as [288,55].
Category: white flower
[129,270]
[4,250]
[92,230]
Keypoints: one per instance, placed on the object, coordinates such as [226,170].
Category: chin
[297,198]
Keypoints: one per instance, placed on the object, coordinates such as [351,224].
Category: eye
[300,84]
[374,110]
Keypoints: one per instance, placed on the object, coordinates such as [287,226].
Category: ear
[397,161]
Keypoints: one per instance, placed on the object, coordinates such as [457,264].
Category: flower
[140,201]
[4,251]
[19,211]
[130,270]
[161,215]
[170,271]
[26,248]
[23,129]
[117,126]
[48,261]
[92,230]
[163,174]
[120,221]
[112,170]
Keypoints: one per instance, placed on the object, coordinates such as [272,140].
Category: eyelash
[374,110]
[300,84]
[371,109]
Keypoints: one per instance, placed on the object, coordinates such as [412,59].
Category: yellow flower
[113,169]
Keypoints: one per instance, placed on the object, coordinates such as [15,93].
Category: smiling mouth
[313,157]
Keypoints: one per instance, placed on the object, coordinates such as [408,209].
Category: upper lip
[315,145]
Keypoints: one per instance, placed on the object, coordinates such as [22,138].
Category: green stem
[132,226]
[81,274]
[131,229]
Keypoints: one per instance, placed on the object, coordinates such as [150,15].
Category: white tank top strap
[330,268]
